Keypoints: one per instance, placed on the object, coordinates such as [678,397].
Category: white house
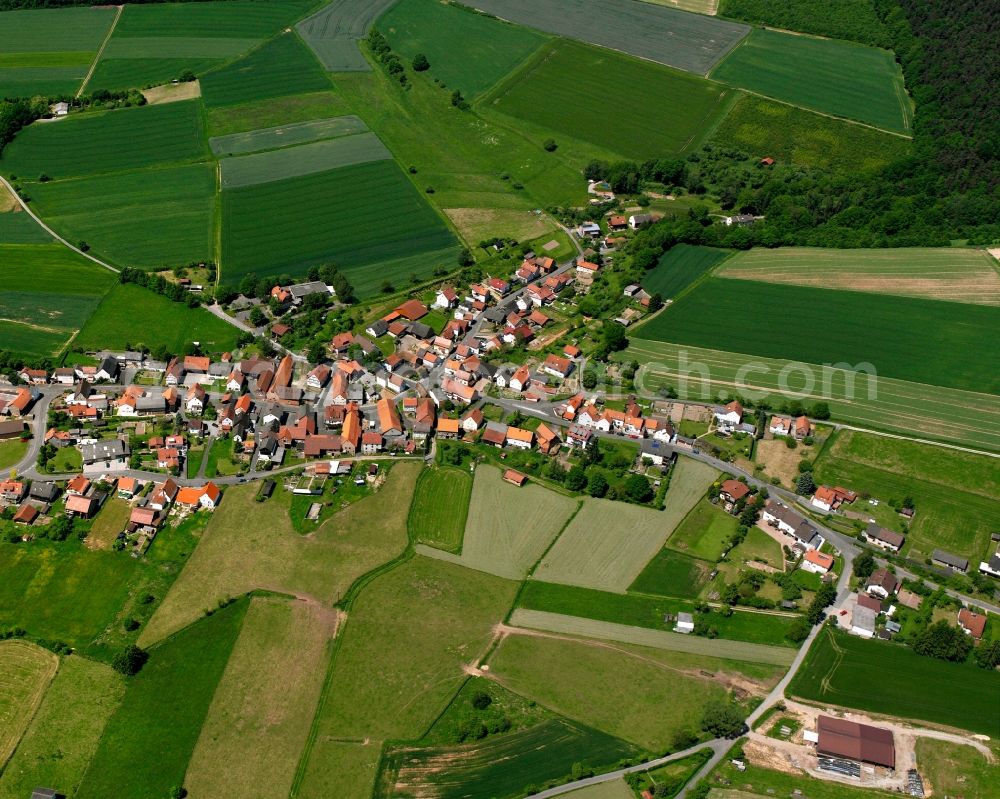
[446,297]
[638,221]
[816,562]
[780,426]
[727,419]
[520,380]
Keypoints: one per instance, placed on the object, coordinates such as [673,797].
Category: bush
[549,145]
[481,700]
[420,63]
[722,720]
[130,660]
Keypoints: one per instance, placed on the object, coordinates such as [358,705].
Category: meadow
[120,74]
[841,669]
[334,32]
[938,273]
[440,507]
[914,409]
[64,733]
[121,320]
[263,707]
[28,669]
[691,42]
[658,111]
[339,768]
[955,769]
[108,141]
[306,159]
[500,766]
[150,219]
[163,711]
[323,217]
[704,532]
[679,267]
[764,128]
[271,138]
[279,67]
[232,559]
[955,492]
[19,228]
[833,77]
[672,573]
[487,49]
[273,112]
[505,543]
[908,338]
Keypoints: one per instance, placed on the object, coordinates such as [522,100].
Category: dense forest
[854,20]
[17,5]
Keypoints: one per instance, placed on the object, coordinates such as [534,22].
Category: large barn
[853,741]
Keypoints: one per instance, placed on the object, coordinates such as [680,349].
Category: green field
[273,112]
[841,669]
[65,731]
[955,769]
[955,492]
[306,159]
[28,669]
[672,573]
[122,319]
[791,135]
[500,766]
[231,19]
[704,532]
[253,141]
[691,42]
[657,111]
[340,768]
[325,217]
[27,339]
[119,74]
[108,141]
[679,267]
[440,507]
[467,51]
[937,273]
[333,32]
[281,66]
[163,712]
[20,228]
[832,77]
[908,338]
[499,540]
[11,452]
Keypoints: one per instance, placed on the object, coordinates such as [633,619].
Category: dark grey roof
[420,330]
[878,533]
[111,449]
[44,793]
[46,492]
[300,290]
[940,556]
[378,327]
[110,365]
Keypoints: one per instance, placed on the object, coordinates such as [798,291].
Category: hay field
[334,32]
[232,558]
[273,112]
[508,528]
[937,273]
[253,141]
[479,224]
[28,669]
[64,733]
[440,507]
[262,710]
[339,768]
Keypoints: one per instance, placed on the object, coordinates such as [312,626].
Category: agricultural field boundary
[656,639]
[100,52]
[29,670]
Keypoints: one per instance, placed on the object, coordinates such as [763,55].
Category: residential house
[448,428]
[472,420]
[519,438]
[163,495]
[35,377]
[494,434]
[194,401]
[43,491]
[792,524]
[78,485]
[377,328]
[732,491]
[557,367]
[578,436]
[780,426]
[26,514]
[882,538]
[617,222]
[318,377]
[13,490]
[371,442]
[65,376]
[520,380]
[588,229]
[547,439]
[446,297]
[829,499]
[112,452]
[639,221]
[351,431]
[882,583]
[727,419]
[319,445]
[341,343]
[85,507]
[127,487]
[973,624]
[459,393]
[816,562]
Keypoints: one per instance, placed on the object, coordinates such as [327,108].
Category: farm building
[514,477]
[941,558]
[852,741]
[11,429]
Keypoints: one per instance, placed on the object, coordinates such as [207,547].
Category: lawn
[763,128]
[504,542]
[233,558]
[522,224]
[466,50]
[108,141]
[833,77]
[679,267]
[938,273]
[28,669]
[908,338]
[657,111]
[67,459]
[401,655]
[880,402]
[671,573]
[841,669]
[163,712]
[440,507]
[704,532]
[65,731]
[612,789]
[759,546]
[691,42]
[262,710]
[220,460]
[11,452]
[271,138]
[151,218]
[121,322]
[956,770]
[955,492]
[280,67]
[318,218]
[333,32]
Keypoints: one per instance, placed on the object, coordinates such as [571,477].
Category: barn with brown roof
[854,741]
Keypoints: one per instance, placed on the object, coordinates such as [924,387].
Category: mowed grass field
[841,669]
[64,733]
[340,768]
[691,42]
[937,273]
[163,712]
[232,559]
[28,669]
[272,112]
[122,318]
[826,75]
[915,409]
[704,532]
[673,574]
[333,32]
[680,266]
[508,528]
[955,492]
[253,141]
[764,128]
[440,507]
[658,111]
[263,707]
[907,338]
[466,50]
[48,52]
[326,216]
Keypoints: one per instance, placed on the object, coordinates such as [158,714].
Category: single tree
[805,484]
[597,485]
[420,63]
[576,478]
[722,720]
